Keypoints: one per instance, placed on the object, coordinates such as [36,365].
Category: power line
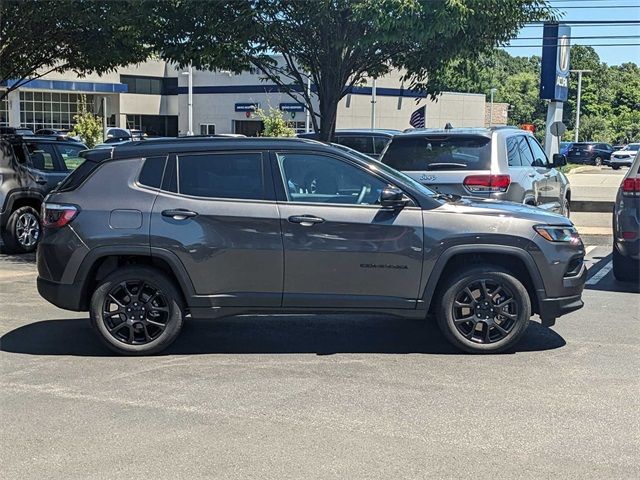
[594,37]
[581,44]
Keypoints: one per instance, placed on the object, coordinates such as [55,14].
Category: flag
[418,117]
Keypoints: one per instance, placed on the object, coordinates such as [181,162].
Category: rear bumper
[62,295]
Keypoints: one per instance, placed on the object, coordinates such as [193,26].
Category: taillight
[631,187]
[487,183]
[55,215]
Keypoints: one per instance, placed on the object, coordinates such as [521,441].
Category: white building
[153,96]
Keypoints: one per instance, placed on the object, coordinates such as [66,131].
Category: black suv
[592,153]
[145,233]
[368,141]
[30,166]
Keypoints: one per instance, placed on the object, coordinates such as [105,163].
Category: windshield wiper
[443,165]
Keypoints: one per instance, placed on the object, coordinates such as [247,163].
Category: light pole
[579,72]
[492,91]
[307,123]
[190,99]
[373,105]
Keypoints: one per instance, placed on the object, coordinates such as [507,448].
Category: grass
[569,166]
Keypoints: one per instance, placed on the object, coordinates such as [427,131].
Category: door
[534,174]
[221,220]
[550,188]
[45,165]
[341,248]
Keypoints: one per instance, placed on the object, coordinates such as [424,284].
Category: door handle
[305,220]
[548,175]
[532,175]
[179,214]
[41,180]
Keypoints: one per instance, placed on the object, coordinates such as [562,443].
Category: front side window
[540,158]
[70,155]
[222,175]
[526,157]
[361,144]
[315,178]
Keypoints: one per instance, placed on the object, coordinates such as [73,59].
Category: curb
[592,206]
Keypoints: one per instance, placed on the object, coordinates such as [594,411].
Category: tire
[625,269]
[159,318]
[597,161]
[23,231]
[615,167]
[566,207]
[514,301]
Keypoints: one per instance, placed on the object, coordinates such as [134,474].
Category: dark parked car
[626,226]
[590,153]
[30,166]
[15,131]
[145,233]
[370,142]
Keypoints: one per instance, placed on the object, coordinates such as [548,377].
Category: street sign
[558,129]
[554,74]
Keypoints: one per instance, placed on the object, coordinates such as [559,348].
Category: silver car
[501,163]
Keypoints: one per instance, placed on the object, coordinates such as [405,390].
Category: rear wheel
[137,311]
[615,167]
[598,161]
[484,309]
[624,268]
[566,207]
[23,231]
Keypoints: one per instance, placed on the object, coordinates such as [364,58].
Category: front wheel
[615,167]
[597,162]
[137,311]
[484,309]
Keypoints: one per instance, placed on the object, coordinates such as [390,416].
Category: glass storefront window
[50,109]
[4,112]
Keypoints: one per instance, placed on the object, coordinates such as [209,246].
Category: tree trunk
[328,115]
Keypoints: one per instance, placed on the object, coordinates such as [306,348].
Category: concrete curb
[601,206]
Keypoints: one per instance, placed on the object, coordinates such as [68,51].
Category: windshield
[377,165]
[446,152]
[632,146]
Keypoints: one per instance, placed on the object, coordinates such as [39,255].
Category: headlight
[559,233]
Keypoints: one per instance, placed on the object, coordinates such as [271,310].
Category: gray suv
[502,163]
[626,226]
[147,233]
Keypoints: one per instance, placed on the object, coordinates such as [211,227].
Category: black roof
[367,132]
[158,146]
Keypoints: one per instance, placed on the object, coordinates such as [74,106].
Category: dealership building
[153,97]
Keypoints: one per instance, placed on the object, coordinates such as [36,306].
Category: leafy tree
[274,123]
[87,125]
[42,36]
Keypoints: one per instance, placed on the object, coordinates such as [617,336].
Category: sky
[593,10]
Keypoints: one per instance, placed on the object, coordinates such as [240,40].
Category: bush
[88,126]
[274,124]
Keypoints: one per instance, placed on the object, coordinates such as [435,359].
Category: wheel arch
[513,259]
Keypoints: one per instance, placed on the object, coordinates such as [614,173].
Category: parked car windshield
[402,178]
[632,146]
[449,152]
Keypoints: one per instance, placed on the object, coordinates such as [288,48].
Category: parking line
[589,249]
[600,274]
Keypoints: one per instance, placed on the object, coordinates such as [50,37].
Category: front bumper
[550,308]
[62,295]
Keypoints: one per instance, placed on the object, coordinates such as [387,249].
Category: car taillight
[487,183]
[55,215]
[631,187]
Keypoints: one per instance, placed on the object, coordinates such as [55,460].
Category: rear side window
[361,144]
[513,154]
[459,152]
[42,156]
[70,155]
[222,175]
[151,173]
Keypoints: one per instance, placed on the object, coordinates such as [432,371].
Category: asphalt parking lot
[320,397]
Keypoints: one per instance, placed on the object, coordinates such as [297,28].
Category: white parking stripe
[600,274]
[589,249]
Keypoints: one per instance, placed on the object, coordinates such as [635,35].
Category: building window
[207,129]
[51,109]
[299,127]
[4,112]
[150,85]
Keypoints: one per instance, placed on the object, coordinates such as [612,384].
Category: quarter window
[322,179]
[222,175]
[151,173]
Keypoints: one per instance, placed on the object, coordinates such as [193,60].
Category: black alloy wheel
[485,311]
[135,312]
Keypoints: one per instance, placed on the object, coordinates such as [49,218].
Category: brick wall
[500,114]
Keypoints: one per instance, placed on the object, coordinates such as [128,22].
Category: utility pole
[579,72]
[373,105]
[493,90]
[189,72]
[307,124]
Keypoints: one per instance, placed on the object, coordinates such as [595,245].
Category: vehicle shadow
[322,335]
[608,283]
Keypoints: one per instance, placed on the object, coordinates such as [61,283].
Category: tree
[87,125]
[43,36]
[274,123]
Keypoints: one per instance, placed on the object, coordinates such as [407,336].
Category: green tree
[42,36]
[274,123]
[87,125]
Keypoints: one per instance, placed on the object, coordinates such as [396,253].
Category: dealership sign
[292,107]
[554,75]
[247,107]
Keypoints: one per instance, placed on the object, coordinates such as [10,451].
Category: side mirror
[392,197]
[559,160]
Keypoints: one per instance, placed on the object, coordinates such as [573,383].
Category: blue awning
[88,87]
